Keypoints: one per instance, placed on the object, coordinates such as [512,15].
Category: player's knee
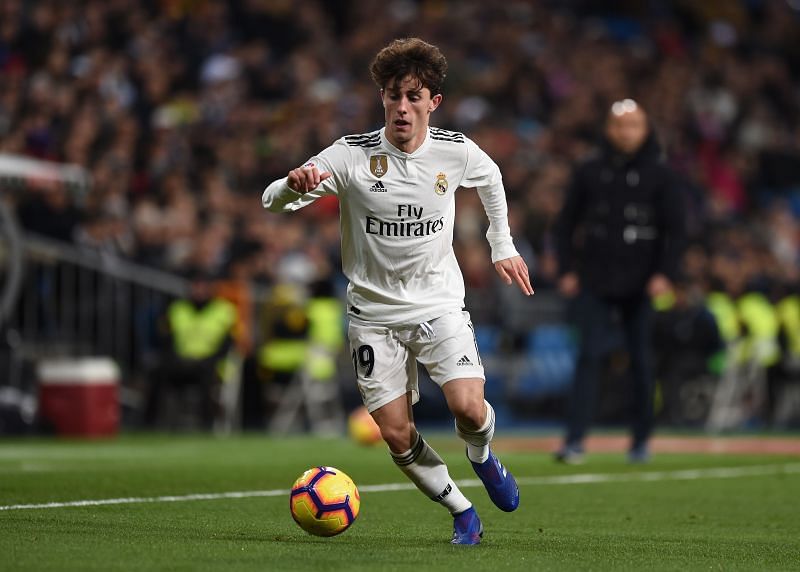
[399,438]
[470,412]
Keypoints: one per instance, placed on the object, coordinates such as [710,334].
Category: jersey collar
[392,150]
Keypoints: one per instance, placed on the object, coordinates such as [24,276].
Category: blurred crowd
[183,111]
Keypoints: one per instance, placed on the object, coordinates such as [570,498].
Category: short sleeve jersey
[397,214]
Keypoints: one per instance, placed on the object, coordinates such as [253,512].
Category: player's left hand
[514,269]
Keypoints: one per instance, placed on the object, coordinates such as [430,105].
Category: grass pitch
[202,503]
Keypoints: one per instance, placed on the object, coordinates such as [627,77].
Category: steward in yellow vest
[198,336]
[787,371]
[302,333]
[788,310]
[749,325]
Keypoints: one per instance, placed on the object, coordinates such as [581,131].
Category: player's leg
[475,423]
[425,468]
[412,454]
[473,414]
[387,380]
[450,354]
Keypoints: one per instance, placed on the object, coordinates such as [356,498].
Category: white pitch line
[578,479]
[143,500]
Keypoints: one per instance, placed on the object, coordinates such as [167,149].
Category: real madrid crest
[440,186]
[378,165]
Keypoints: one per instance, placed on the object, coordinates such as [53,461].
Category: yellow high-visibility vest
[318,351]
[283,355]
[788,311]
[725,313]
[749,323]
[326,322]
[326,335]
[197,333]
[758,313]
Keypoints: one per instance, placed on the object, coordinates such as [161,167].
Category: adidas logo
[378,188]
[464,361]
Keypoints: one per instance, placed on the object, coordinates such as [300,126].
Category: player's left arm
[513,270]
[484,174]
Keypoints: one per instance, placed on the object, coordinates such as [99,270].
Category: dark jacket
[622,222]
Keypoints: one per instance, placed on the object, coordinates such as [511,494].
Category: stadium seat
[549,361]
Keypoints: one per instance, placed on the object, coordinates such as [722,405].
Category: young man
[396,191]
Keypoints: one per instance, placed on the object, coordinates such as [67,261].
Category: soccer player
[396,189]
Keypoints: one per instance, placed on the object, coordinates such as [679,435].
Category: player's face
[407,109]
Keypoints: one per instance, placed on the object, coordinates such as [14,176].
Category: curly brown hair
[410,57]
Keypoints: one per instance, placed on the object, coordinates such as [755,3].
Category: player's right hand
[306,178]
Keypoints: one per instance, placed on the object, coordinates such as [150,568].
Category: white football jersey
[397,212]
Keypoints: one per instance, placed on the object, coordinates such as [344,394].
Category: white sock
[427,471]
[478,440]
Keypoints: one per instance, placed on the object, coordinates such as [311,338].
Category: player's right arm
[323,174]
[300,187]
[306,178]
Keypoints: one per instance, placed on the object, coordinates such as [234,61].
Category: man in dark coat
[619,237]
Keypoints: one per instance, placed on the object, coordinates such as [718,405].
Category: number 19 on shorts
[364,356]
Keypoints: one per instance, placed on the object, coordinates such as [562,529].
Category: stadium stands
[183,111]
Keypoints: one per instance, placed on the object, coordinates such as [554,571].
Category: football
[362,427]
[324,501]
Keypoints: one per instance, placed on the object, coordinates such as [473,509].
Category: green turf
[707,523]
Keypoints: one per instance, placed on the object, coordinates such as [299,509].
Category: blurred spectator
[619,239]
[104,234]
[49,210]
[689,348]
[198,334]
[280,356]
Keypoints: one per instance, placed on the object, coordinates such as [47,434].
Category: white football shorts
[385,358]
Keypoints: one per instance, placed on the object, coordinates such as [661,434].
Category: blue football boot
[499,483]
[467,527]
